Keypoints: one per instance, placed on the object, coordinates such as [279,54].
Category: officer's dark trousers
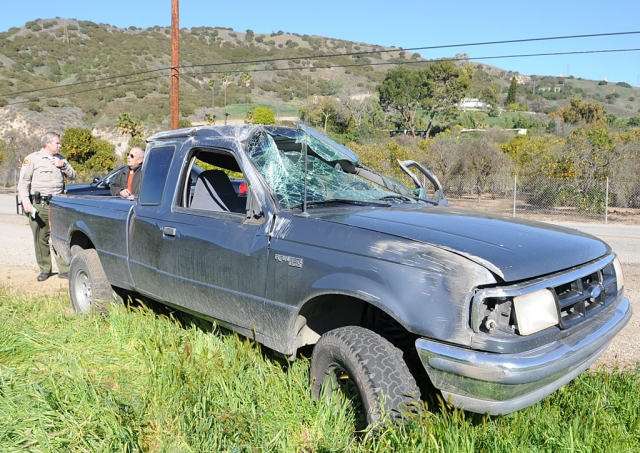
[40,229]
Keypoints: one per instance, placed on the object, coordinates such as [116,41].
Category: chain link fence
[547,199]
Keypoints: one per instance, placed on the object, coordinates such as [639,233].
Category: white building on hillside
[472,104]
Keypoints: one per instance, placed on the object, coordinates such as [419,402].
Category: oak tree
[402,91]
[439,88]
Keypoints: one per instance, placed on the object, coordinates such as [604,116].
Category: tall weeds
[141,381]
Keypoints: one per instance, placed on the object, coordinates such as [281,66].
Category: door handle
[169,231]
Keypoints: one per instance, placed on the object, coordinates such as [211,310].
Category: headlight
[619,274]
[535,311]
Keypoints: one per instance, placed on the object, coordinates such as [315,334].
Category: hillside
[102,71]
[127,70]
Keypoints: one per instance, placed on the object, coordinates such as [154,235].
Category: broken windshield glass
[327,148]
[286,160]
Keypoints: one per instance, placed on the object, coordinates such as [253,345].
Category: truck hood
[510,248]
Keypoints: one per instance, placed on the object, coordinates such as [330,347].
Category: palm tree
[224,78]
[212,84]
[246,77]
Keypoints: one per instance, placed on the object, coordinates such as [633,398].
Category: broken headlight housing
[563,299]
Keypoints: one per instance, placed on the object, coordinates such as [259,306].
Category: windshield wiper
[342,201]
[408,198]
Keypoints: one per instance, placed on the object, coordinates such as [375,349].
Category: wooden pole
[175,63]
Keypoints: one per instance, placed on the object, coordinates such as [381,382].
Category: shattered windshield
[333,173]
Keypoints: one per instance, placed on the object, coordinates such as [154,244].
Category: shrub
[623,84]
[87,153]
[53,103]
[263,115]
[544,193]
[593,202]
[34,106]
[210,119]
[602,82]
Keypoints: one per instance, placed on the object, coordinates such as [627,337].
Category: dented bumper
[503,383]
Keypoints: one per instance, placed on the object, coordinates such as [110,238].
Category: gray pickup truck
[395,291]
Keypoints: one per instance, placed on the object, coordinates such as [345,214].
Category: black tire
[89,287]
[367,369]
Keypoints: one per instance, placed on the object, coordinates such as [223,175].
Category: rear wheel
[367,369]
[89,287]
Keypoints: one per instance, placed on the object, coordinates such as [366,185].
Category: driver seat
[214,192]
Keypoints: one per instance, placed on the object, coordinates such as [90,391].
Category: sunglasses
[131,155]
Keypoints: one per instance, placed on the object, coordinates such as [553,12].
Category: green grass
[140,381]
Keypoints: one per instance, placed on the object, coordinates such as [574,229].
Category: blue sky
[406,24]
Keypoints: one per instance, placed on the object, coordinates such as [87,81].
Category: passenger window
[213,182]
[154,179]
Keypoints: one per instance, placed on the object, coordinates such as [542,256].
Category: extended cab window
[155,175]
[213,182]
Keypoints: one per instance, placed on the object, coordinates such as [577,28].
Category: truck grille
[586,295]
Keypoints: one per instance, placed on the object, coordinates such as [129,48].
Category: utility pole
[175,63]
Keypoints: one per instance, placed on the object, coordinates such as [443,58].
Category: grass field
[139,380]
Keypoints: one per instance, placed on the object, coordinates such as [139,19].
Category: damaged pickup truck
[390,286]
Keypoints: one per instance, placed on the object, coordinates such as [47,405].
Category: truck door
[208,256]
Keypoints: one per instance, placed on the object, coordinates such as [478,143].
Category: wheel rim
[82,291]
[341,382]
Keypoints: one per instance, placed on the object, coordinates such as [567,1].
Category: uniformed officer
[42,176]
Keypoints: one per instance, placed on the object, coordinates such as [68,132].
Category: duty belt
[36,198]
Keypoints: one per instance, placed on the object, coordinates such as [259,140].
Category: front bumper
[503,383]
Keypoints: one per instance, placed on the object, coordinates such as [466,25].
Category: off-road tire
[89,287]
[367,369]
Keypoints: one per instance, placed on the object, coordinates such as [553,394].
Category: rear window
[155,175]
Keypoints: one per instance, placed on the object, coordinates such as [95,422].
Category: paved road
[623,239]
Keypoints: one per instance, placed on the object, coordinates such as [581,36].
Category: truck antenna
[304,193]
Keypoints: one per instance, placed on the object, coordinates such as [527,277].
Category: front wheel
[367,370]
[89,287]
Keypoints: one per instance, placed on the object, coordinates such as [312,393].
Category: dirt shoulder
[23,279]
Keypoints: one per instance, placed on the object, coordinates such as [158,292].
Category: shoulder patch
[26,162]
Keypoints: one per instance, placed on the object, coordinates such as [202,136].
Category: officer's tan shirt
[38,174]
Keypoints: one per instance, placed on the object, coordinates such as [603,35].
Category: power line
[513,41]
[332,66]
[576,52]
[446,46]
[91,89]
[260,61]
[193,74]
[84,82]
